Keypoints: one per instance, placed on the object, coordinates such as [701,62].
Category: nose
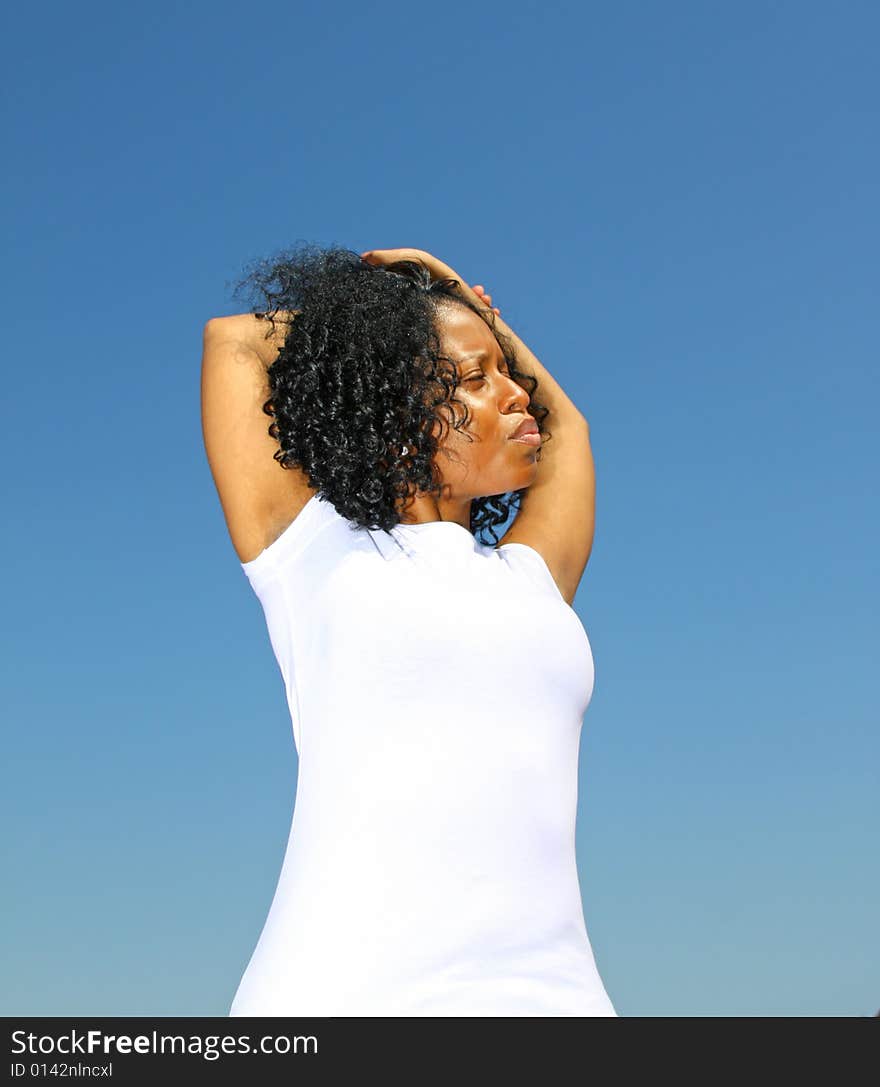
[517,396]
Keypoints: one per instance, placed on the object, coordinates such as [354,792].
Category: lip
[527,431]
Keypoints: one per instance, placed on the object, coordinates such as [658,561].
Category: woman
[436,678]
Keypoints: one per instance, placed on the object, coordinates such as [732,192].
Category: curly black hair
[360,379]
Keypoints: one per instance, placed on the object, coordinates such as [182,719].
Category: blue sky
[675,206]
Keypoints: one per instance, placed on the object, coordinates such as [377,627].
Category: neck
[425,508]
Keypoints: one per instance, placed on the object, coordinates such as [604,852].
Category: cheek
[479,442]
[468,421]
[462,452]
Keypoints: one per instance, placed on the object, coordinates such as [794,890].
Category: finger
[396,253]
[381,257]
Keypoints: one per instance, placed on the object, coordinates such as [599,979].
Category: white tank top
[436,692]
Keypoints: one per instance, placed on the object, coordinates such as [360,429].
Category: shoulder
[557,514]
[526,561]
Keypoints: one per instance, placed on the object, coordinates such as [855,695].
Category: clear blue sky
[675,206]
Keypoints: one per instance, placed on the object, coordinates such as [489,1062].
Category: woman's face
[492,462]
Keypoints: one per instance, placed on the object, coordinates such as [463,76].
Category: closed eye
[481,377]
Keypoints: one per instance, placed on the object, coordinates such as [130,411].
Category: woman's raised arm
[259,498]
[558,512]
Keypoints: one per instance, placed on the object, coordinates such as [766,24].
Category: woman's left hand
[437,268]
[487,298]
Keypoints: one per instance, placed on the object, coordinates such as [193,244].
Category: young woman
[436,675]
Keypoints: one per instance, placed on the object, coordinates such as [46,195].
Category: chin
[525,479]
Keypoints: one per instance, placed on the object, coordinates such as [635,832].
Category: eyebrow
[483,353]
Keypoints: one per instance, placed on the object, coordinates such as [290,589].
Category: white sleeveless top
[436,691]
